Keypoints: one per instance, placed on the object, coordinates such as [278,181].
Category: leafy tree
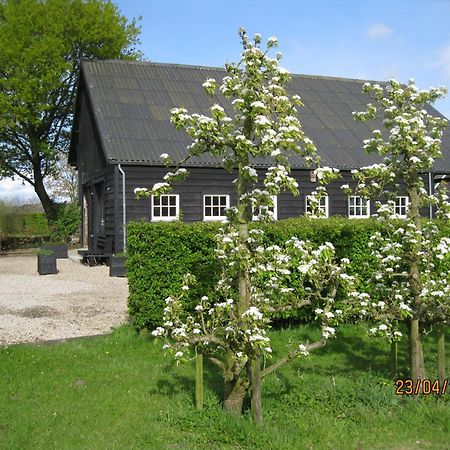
[41,45]
[412,260]
[231,326]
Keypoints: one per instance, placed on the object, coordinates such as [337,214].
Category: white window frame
[325,197]
[398,207]
[275,209]
[165,218]
[214,218]
[358,207]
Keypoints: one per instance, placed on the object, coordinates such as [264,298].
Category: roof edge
[201,67]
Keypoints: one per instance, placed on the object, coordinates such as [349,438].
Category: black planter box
[46,264]
[59,250]
[117,266]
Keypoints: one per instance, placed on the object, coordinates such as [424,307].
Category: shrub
[13,223]
[159,254]
[67,222]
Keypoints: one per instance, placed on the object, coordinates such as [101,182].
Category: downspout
[124,209]
[430,193]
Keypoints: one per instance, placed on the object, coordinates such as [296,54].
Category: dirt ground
[78,301]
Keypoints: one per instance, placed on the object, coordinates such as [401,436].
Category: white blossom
[159,331]
[303,350]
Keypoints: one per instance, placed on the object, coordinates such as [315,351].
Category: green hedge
[160,254]
[17,223]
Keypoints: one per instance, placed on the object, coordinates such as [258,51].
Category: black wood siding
[203,181]
[91,161]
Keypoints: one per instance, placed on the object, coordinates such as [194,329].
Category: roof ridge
[200,67]
[149,63]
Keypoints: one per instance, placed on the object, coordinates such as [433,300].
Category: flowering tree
[256,281]
[412,276]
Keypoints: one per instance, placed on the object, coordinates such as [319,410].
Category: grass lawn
[119,392]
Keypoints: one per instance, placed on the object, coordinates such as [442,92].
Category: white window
[401,206]
[165,207]
[214,207]
[323,205]
[272,209]
[358,207]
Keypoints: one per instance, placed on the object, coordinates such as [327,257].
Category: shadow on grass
[178,383]
[352,353]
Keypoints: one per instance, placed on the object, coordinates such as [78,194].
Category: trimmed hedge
[159,254]
[18,223]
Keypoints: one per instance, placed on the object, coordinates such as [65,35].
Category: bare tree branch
[292,355]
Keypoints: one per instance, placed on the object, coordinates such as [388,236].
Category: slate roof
[132,101]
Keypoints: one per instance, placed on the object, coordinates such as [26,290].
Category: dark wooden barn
[121,127]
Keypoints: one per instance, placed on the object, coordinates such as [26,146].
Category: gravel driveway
[78,301]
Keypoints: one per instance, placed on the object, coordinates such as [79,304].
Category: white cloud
[443,61]
[379,31]
[13,190]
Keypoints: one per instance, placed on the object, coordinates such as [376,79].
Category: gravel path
[78,301]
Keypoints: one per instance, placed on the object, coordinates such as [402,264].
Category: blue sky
[373,40]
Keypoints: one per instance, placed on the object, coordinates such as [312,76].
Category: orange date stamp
[420,387]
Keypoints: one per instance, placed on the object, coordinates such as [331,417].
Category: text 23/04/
[424,387]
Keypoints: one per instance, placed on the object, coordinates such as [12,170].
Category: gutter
[124,209]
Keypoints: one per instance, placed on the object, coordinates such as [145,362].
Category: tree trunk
[441,354]
[50,207]
[255,369]
[199,380]
[416,351]
[394,359]
[417,363]
[234,395]
[235,387]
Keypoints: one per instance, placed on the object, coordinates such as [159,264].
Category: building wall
[93,171]
[203,181]
[200,182]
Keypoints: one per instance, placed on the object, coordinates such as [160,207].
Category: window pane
[172,200]
[156,201]
[164,200]
[173,211]
[208,211]
[215,200]
[208,200]
[165,211]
